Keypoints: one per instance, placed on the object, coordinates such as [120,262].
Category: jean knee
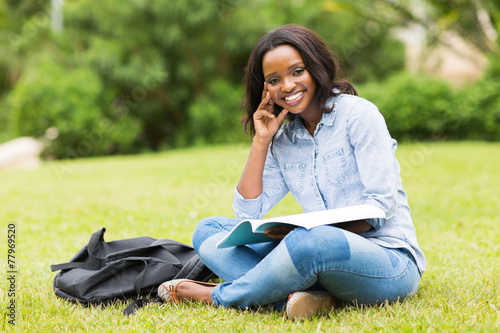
[311,249]
[202,232]
[316,240]
[207,227]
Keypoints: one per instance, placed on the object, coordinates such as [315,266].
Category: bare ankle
[194,292]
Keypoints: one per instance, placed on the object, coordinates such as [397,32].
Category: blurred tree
[19,24]
[214,117]
[53,96]
[364,45]
[158,62]
[476,21]
[158,67]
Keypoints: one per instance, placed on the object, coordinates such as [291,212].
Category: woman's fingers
[264,91]
[266,123]
[265,101]
[262,113]
[278,233]
[282,115]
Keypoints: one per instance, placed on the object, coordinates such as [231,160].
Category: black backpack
[103,272]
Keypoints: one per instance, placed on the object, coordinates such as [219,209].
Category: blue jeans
[348,266]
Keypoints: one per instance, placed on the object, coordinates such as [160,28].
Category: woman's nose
[288,84]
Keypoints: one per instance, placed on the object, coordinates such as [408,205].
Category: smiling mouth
[294,97]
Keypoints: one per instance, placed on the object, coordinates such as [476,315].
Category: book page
[314,219]
[252,231]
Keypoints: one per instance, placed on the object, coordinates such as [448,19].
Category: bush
[50,95]
[481,106]
[215,116]
[415,107]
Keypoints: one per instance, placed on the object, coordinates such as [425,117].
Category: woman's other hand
[278,233]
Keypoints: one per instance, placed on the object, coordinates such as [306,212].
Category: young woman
[334,152]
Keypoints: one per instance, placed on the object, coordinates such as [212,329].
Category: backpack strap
[75,264]
[195,269]
[139,303]
[94,262]
[139,278]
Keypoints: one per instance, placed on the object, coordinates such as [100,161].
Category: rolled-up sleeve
[246,208]
[273,190]
[374,152]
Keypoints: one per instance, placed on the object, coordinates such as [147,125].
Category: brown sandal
[167,291]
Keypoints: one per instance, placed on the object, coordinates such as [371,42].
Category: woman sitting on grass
[334,152]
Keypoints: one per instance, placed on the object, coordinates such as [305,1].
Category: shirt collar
[299,130]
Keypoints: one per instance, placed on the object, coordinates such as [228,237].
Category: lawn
[454,191]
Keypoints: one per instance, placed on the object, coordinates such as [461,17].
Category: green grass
[453,189]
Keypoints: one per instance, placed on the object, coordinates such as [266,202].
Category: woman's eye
[298,71]
[272,81]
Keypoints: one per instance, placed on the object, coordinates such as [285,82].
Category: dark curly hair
[320,62]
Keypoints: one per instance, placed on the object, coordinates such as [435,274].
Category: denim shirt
[349,161]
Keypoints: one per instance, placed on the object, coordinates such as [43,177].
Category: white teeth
[291,98]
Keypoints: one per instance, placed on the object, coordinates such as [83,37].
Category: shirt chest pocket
[294,174]
[334,167]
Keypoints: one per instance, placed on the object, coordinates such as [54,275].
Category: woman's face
[288,81]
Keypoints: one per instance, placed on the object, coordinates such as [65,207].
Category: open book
[252,231]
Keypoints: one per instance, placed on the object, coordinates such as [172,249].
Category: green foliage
[68,99]
[159,63]
[364,46]
[472,20]
[481,105]
[168,73]
[415,107]
[157,68]
[418,107]
[215,116]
